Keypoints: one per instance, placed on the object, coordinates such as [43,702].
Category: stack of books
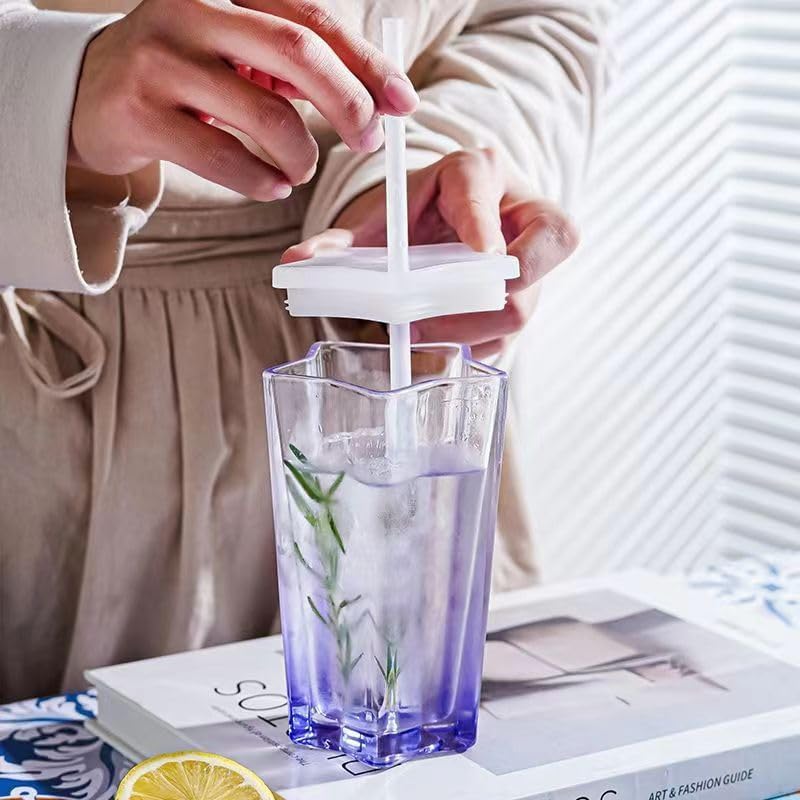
[630,687]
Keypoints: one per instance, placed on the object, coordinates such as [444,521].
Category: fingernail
[401,94]
[372,138]
[281,190]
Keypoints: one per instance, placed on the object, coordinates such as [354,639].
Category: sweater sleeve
[62,229]
[521,76]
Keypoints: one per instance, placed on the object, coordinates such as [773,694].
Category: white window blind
[658,387]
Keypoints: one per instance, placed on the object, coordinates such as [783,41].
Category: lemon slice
[191,775]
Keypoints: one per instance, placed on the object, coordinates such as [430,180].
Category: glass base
[384,749]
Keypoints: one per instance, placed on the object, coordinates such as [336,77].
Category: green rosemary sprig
[336,484]
[315,504]
[299,553]
[298,454]
[341,632]
[316,610]
[303,487]
[308,483]
[390,672]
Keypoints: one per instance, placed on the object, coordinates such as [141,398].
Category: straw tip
[392,29]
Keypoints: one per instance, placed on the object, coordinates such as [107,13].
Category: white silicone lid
[355,283]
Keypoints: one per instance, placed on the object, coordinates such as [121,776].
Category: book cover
[620,688]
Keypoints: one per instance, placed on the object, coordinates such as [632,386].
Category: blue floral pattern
[45,748]
[771,584]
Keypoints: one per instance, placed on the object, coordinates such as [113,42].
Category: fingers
[470,329]
[483,352]
[485,332]
[298,56]
[479,327]
[269,119]
[546,238]
[269,82]
[133,72]
[470,190]
[217,156]
[331,239]
[392,91]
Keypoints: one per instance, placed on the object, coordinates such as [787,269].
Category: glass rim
[490,373]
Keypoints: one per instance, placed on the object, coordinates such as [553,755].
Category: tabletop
[46,750]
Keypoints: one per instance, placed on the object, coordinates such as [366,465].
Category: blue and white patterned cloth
[46,750]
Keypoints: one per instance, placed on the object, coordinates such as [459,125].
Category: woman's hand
[153,81]
[470,197]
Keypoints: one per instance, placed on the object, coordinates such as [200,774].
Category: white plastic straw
[396,209]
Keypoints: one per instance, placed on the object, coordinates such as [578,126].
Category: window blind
[658,388]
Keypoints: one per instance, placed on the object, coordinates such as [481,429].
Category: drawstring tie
[60,320]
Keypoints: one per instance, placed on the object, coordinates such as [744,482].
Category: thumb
[331,239]
[470,191]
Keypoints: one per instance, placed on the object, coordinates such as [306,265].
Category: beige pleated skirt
[135,514]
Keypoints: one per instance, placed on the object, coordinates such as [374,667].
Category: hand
[153,81]
[470,197]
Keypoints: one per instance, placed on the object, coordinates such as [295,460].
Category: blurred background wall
[659,385]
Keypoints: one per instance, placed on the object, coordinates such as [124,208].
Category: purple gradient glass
[385,506]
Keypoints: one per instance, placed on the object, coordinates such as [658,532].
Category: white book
[630,687]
